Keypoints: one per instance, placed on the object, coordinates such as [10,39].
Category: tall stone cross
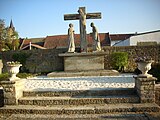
[82,16]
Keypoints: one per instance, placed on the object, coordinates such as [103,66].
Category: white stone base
[79,83]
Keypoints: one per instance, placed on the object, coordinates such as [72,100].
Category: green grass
[4,76]
[24,75]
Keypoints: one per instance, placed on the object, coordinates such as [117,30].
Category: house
[147,38]
[116,38]
[61,41]
[32,43]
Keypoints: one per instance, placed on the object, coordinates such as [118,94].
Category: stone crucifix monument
[82,16]
[84,63]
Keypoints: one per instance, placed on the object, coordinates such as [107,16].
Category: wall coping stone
[145,79]
[83,54]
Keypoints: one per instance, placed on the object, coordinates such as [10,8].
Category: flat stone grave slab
[44,83]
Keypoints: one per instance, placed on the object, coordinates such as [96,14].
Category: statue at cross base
[82,16]
[96,38]
[71,45]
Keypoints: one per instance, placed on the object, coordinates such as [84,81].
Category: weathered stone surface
[12,91]
[84,73]
[83,61]
[110,116]
[48,60]
[50,101]
[87,109]
[157,94]
[80,93]
[145,89]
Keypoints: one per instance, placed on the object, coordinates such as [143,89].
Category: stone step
[84,73]
[50,101]
[118,116]
[84,109]
[74,93]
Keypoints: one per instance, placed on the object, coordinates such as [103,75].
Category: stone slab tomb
[83,61]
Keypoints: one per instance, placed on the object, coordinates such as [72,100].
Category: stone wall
[133,51]
[40,61]
[157,94]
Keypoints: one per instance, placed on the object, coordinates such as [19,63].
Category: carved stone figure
[82,16]
[71,45]
[96,38]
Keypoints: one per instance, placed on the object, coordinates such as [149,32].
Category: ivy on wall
[22,58]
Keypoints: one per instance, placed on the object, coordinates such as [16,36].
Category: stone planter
[144,67]
[13,70]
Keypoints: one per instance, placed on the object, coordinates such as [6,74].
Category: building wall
[40,61]
[123,43]
[148,37]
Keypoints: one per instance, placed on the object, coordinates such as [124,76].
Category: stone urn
[144,67]
[13,70]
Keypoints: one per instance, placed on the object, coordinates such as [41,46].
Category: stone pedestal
[145,87]
[83,61]
[12,91]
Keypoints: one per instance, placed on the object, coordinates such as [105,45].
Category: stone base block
[146,89]
[84,73]
[79,110]
[83,61]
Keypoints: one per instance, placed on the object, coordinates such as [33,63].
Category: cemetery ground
[89,109]
[79,97]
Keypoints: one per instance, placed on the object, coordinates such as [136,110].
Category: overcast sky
[41,18]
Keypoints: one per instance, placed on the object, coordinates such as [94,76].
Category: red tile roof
[25,42]
[120,36]
[62,40]
[59,41]
[32,45]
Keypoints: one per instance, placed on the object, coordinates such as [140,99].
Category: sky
[41,18]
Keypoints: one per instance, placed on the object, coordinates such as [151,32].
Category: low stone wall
[133,52]
[145,87]
[40,61]
[157,94]
[12,91]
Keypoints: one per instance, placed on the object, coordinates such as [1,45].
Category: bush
[119,60]
[24,75]
[155,71]
[4,76]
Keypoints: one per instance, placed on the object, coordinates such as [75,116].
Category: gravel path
[79,83]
